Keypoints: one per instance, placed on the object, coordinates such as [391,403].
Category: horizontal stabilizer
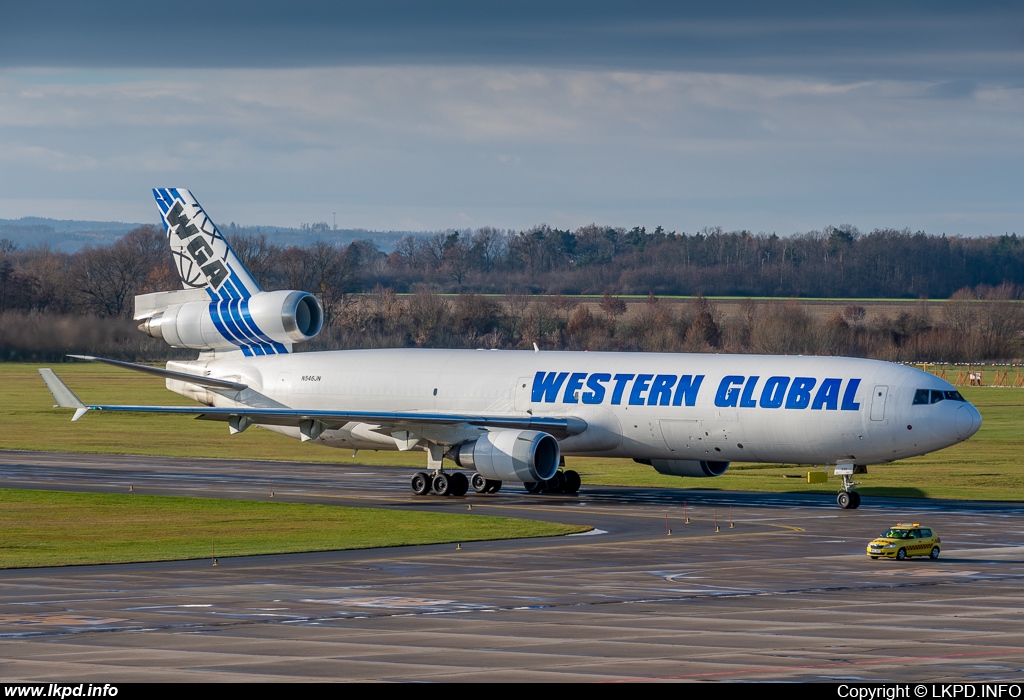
[166,373]
[64,397]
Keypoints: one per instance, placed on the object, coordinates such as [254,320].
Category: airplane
[512,415]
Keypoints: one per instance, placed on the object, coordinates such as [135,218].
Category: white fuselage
[751,408]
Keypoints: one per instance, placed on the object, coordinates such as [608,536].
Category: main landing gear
[566,481]
[440,484]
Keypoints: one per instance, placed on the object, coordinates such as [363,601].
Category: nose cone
[968,420]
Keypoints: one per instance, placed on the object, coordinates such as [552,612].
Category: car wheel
[934,554]
[902,554]
[874,557]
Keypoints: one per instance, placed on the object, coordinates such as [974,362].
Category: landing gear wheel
[843,500]
[479,483]
[458,484]
[902,554]
[493,486]
[934,554]
[571,482]
[420,484]
[554,485]
[442,485]
[854,500]
[532,486]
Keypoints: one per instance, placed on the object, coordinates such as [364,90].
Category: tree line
[52,302]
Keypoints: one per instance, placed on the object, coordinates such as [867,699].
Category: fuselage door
[523,398]
[878,397]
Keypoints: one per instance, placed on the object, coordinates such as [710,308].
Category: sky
[397,115]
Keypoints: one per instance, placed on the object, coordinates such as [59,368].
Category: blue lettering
[851,393]
[661,390]
[800,392]
[546,386]
[687,388]
[728,391]
[596,393]
[639,386]
[620,386]
[574,384]
[774,392]
[747,400]
[827,396]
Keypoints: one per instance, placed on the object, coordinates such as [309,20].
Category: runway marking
[57,619]
[833,664]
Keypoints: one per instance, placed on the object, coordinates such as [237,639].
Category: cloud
[868,40]
[514,146]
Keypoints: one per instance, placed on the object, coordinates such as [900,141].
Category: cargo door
[878,397]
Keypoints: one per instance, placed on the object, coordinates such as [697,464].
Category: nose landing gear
[848,499]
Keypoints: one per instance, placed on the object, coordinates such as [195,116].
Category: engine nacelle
[511,455]
[686,467]
[265,323]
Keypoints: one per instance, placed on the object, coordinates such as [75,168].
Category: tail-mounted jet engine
[265,323]
[511,455]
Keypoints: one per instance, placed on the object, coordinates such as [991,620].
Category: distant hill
[71,235]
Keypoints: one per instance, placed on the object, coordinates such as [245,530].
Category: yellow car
[905,540]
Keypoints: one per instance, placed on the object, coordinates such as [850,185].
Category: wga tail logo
[198,264]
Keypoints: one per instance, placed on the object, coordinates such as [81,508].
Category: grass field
[989,466]
[52,528]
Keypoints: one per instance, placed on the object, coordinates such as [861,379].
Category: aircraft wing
[305,419]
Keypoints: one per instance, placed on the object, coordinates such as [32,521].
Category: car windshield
[896,533]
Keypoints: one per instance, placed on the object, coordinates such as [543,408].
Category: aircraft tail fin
[202,255]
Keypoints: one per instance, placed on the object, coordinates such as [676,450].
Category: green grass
[988,466]
[53,528]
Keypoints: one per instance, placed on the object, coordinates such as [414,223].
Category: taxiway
[783,591]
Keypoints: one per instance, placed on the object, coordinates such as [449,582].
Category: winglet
[65,397]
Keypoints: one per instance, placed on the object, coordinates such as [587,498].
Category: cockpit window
[927,396]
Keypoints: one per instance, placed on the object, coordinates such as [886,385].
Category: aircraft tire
[441,485]
[854,500]
[572,481]
[420,484]
[554,485]
[459,484]
[532,486]
[479,483]
[843,500]
[493,486]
